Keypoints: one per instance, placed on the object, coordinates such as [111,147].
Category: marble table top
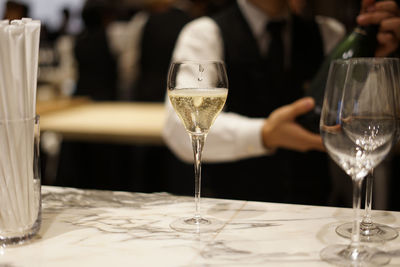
[104,228]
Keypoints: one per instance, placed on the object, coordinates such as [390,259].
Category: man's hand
[281,130]
[386,14]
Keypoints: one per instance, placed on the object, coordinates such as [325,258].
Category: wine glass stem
[368,198]
[355,233]
[198,144]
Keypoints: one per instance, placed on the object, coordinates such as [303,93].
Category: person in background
[144,46]
[122,166]
[165,21]
[149,55]
[96,65]
[66,17]
[255,149]
[95,165]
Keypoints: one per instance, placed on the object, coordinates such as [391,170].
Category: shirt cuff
[249,134]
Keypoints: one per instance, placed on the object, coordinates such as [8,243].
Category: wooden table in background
[110,122]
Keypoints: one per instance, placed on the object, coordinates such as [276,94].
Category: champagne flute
[370,231]
[357,126]
[197,91]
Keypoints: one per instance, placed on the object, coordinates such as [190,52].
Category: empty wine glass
[197,91]
[369,230]
[357,126]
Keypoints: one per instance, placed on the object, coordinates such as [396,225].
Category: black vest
[248,71]
[287,176]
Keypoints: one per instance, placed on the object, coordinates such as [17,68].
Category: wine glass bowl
[197,91]
[369,230]
[357,127]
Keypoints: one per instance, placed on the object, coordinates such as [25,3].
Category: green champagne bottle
[361,42]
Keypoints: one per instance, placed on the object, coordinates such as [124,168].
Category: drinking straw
[4,69]
[15,41]
[32,36]
[8,207]
[6,199]
[32,33]
[21,42]
[8,215]
[9,175]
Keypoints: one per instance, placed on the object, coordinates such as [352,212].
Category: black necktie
[275,54]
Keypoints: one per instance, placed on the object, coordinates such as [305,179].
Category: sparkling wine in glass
[197,91]
[369,230]
[357,127]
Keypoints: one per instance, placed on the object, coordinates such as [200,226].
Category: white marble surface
[100,228]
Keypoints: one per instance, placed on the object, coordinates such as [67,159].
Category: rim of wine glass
[195,61]
[203,61]
[367,59]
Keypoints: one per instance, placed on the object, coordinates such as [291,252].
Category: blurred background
[64,20]
[118,51]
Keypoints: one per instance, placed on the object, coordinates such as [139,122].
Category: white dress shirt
[232,136]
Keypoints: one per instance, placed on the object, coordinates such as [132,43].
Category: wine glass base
[373,233]
[196,225]
[344,255]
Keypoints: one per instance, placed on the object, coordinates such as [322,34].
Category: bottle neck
[369,32]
